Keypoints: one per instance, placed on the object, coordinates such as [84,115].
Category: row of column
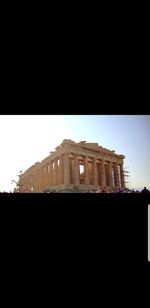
[61,174]
[55,175]
[114,177]
[66,170]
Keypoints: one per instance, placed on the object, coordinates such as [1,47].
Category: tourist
[145,190]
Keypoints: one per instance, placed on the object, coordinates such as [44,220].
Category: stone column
[110,174]
[60,171]
[95,173]
[76,169]
[122,176]
[46,176]
[53,178]
[66,169]
[35,180]
[98,173]
[40,170]
[51,173]
[116,175]
[41,177]
[56,171]
[103,174]
[86,172]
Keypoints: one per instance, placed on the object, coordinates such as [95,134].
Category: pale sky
[26,139]
[149,233]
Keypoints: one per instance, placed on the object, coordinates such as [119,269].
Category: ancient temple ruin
[75,166]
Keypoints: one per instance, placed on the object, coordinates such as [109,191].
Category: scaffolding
[127,178]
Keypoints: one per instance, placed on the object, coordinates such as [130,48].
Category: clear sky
[26,139]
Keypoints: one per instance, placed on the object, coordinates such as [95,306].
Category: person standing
[145,190]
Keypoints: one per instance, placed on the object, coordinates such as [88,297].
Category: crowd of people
[104,190]
[121,190]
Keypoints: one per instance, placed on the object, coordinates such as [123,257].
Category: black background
[77,230]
